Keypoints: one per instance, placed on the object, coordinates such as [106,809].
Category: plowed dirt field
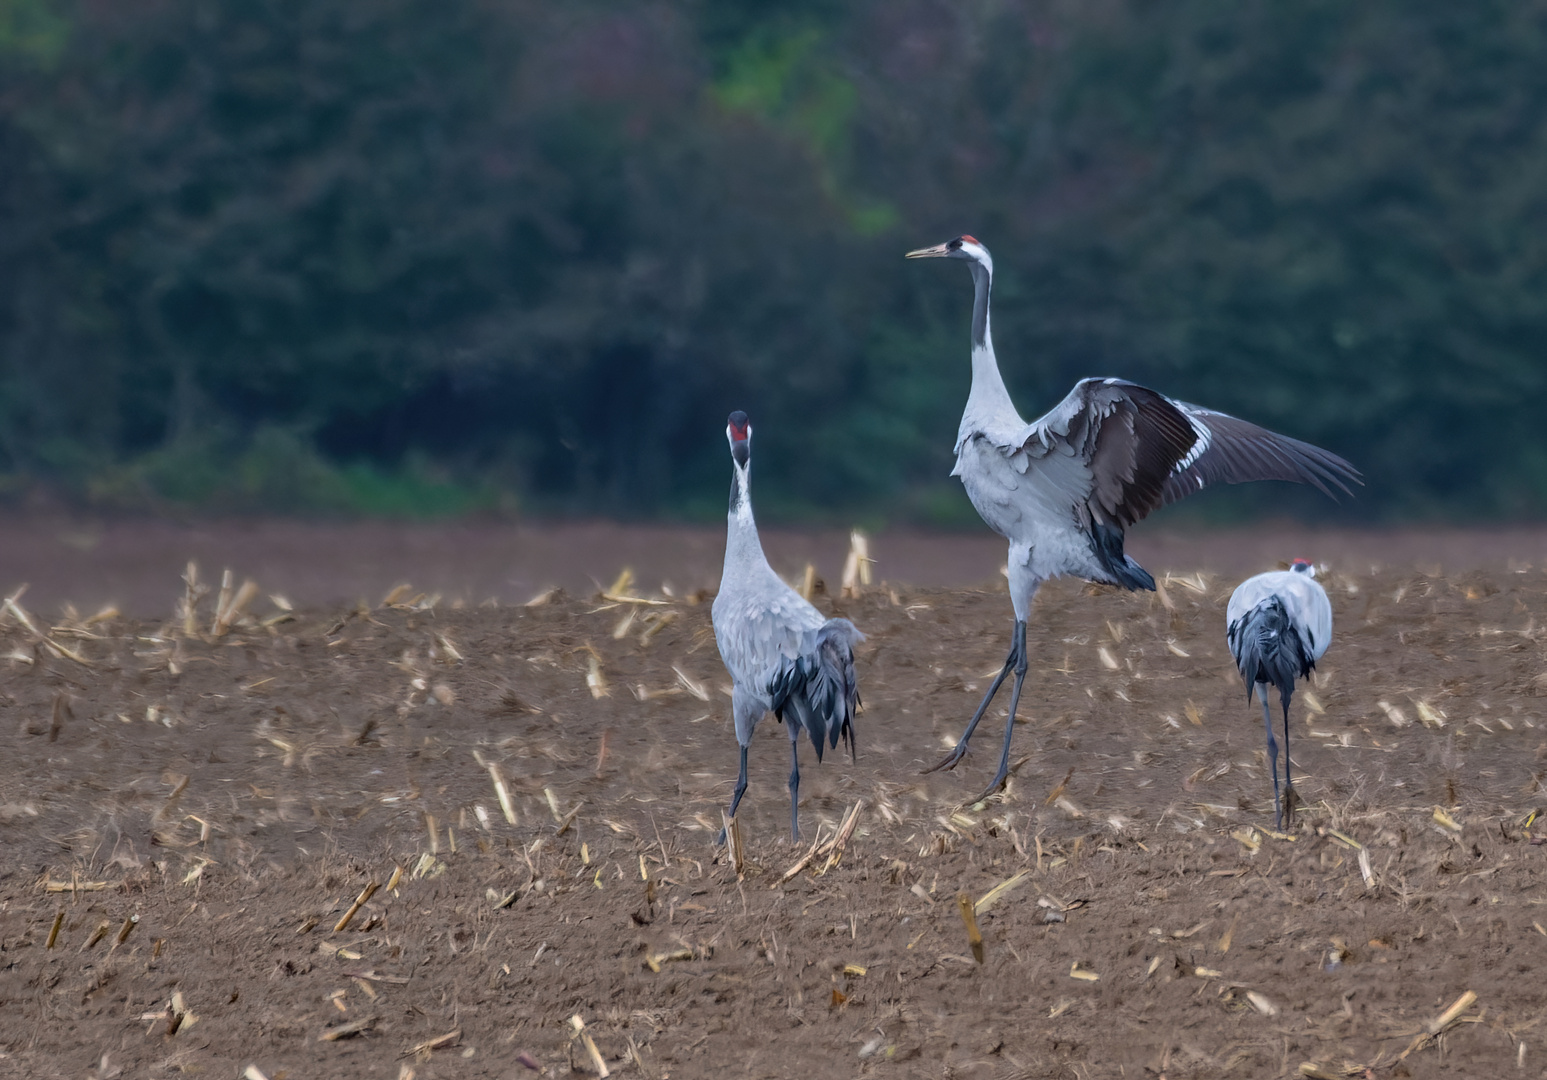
[187,818]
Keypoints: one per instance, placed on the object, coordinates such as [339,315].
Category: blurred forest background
[417,258]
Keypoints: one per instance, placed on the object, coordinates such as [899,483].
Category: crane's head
[1303,566]
[963,247]
[738,432]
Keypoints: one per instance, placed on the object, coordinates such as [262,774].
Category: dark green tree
[392,256]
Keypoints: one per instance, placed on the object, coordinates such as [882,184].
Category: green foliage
[32,32]
[390,256]
[789,84]
[278,471]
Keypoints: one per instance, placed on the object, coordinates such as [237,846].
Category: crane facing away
[1061,489]
[1278,625]
[783,657]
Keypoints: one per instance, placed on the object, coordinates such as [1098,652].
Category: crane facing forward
[1278,625]
[783,657]
[1062,488]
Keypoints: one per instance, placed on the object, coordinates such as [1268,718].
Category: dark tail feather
[1268,649]
[820,687]
[1107,542]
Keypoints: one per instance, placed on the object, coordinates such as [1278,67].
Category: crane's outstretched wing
[1114,451]
[1127,438]
[1231,451]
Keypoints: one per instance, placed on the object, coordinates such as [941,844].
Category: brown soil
[236,794]
[135,563]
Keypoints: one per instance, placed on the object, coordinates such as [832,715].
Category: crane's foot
[950,761]
[993,789]
[1291,801]
[1015,662]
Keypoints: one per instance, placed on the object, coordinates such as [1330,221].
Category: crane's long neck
[742,546]
[988,403]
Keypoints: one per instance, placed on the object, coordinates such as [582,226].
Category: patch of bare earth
[188,816]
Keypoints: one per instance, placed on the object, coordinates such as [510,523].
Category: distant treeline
[413,256]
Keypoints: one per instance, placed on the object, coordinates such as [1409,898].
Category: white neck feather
[989,408]
[742,546]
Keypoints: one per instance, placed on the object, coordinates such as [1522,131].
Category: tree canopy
[400,256]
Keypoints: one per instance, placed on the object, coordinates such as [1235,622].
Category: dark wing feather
[1268,649]
[1232,451]
[1136,438]
[819,686]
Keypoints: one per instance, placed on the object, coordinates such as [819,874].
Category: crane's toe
[950,761]
[993,789]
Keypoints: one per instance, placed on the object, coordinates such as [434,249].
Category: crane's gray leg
[1267,718]
[741,784]
[1289,784]
[794,785]
[1009,724]
[741,789]
[1016,662]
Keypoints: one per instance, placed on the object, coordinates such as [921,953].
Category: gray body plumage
[1278,625]
[1063,488]
[782,655]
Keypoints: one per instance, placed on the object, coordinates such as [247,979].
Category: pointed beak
[939,251]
